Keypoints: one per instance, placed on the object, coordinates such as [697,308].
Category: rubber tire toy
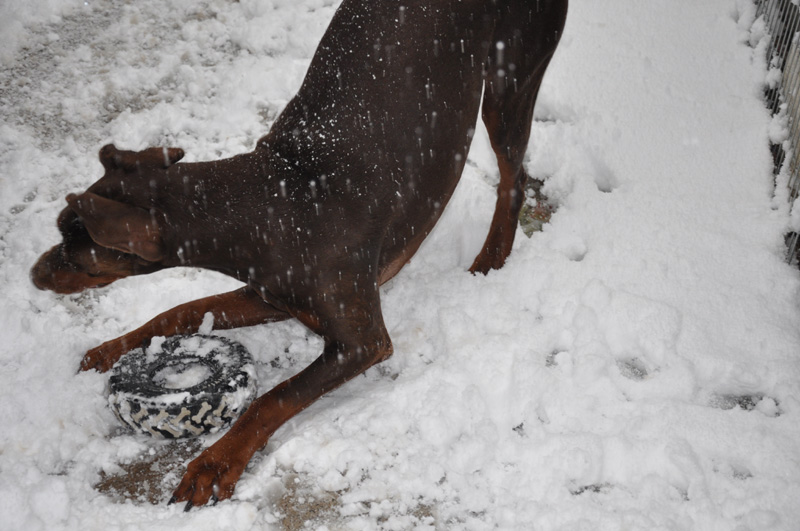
[142,397]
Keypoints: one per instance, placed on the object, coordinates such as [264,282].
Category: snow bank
[634,366]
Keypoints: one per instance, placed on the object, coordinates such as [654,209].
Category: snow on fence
[782,20]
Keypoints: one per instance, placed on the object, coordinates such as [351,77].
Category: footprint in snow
[747,402]
[596,488]
[632,369]
[19,207]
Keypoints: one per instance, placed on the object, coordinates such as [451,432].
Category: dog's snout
[42,271]
[52,273]
[42,280]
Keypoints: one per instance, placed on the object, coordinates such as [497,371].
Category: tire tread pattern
[141,403]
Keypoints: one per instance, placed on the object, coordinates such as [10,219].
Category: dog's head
[110,231]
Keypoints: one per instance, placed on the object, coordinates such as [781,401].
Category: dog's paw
[104,357]
[485,262]
[212,476]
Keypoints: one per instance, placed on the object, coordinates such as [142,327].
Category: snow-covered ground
[635,366]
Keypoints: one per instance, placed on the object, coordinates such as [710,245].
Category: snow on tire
[182,386]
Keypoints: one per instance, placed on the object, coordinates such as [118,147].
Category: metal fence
[782,20]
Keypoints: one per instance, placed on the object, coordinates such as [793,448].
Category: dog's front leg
[355,339]
[242,307]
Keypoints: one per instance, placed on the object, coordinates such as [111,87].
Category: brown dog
[332,202]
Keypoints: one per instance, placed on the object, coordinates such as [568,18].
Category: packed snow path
[636,365]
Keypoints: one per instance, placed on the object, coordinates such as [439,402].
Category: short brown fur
[331,203]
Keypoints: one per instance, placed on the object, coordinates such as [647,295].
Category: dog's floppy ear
[113,158]
[119,226]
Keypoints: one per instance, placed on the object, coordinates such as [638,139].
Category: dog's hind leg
[235,309]
[525,39]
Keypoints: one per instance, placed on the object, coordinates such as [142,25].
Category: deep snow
[634,366]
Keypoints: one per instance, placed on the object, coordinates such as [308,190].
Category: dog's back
[382,124]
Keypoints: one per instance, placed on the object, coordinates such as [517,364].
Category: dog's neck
[200,208]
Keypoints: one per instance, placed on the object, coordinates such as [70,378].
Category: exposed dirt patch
[536,211]
[303,507]
[152,477]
